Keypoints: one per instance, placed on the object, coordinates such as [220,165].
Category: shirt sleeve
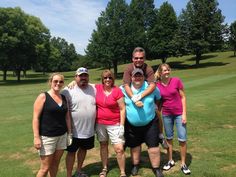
[150,75]
[118,93]
[157,94]
[180,84]
[127,74]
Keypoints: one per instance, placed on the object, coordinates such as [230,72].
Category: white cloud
[73,20]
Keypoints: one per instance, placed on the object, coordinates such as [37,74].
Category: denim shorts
[169,121]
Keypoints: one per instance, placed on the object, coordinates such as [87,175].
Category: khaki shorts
[51,144]
[104,132]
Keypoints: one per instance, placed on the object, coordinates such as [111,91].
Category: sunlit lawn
[211,101]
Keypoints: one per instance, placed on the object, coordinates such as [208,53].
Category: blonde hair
[159,70]
[52,75]
[108,73]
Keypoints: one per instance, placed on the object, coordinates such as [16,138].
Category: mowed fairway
[211,107]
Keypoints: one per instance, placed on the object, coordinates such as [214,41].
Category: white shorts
[104,132]
[51,144]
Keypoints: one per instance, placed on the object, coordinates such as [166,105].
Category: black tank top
[53,117]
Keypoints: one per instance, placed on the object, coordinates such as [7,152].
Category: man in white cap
[82,104]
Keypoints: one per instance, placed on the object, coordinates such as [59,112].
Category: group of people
[126,116]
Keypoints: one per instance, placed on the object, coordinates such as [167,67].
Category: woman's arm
[38,107]
[183,100]
[121,104]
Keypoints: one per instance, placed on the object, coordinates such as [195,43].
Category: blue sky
[74,20]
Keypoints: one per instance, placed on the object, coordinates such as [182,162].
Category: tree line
[198,29]
[25,43]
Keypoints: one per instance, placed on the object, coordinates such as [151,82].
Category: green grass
[211,101]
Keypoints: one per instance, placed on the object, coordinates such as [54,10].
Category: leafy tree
[19,36]
[141,19]
[182,35]
[62,55]
[205,26]
[162,36]
[232,38]
[108,43]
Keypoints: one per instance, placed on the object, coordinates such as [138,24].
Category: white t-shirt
[82,105]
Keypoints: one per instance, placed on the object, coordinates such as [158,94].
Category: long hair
[159,70]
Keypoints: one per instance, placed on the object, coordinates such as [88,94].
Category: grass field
[211,102]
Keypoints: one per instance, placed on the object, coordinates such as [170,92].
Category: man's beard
[83,83]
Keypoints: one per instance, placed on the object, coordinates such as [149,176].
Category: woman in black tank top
[51,124]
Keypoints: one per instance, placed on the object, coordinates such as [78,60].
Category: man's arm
[149,89]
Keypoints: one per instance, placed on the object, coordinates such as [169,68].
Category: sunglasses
[140,58]
[58,81]
[110,78]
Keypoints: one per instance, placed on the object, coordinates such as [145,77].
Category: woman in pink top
[173,109]
[110,121]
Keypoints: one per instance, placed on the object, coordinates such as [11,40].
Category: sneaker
[169,165]
[158,172]
[80,174]
[185,170]
[134,170]
[164,143]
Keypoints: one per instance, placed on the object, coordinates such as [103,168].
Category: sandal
[103,172]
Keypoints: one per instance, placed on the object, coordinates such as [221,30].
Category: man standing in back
[82,105]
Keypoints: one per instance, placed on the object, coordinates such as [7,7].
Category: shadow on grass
[30,79]
[203,57]
[180,65]
[95,168]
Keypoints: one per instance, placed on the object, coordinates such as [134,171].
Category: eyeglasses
[110,78]
[57,81]
[140,58]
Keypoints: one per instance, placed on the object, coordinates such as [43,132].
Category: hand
[121,131]
[71,85]
[139,104]
[69,139]
[136,98]
[37,143]
[184,119]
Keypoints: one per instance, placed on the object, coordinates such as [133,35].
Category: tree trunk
[198,58]
[24,73]
[4,75]
[18,75]
[163,60]
[115,68]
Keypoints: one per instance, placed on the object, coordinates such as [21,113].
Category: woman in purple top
[173,109]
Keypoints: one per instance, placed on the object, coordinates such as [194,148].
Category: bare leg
[120,155]
[135,155]
[170,149]
[70,160]
[104,153]
[55,163]
[81,154]
[46,162]
[154,156]
[183,151]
